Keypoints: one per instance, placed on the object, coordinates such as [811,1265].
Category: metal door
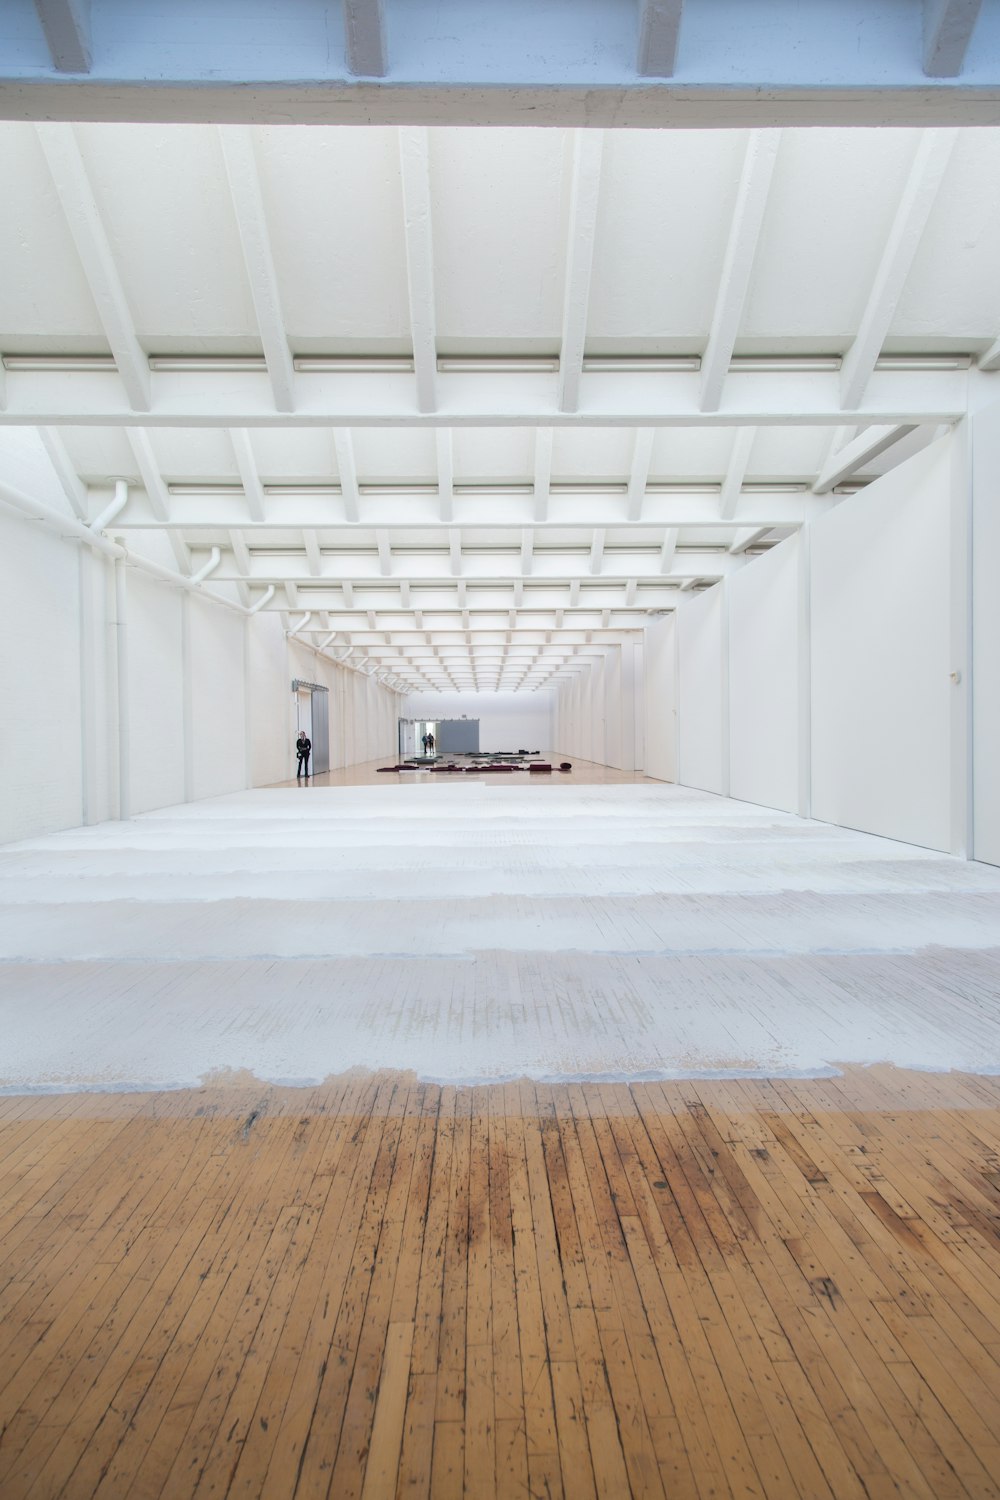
[320,731]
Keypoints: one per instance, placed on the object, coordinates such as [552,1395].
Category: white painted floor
[471,932]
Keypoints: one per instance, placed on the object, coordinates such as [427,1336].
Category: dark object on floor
[539,766]
[565,765]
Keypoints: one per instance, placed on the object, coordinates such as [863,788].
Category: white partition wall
[887,633]
[765,678]
[660,698]
[196,702]
[41,764]
[702,692]
[986,634]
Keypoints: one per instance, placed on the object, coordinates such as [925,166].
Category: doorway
[312,717]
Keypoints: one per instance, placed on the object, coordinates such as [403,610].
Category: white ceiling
[482,524]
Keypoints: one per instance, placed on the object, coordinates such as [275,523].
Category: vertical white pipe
[247,708]
[187,709]
[121,667]
[86,704]
[805,679]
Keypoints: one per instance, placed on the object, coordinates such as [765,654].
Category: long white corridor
[475,932]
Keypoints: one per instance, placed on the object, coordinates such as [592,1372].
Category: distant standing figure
[424,741]
[430,744]
[303,745]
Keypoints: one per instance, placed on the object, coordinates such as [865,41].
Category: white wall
[156,693]
[660,698]
[702,696]
[507,721]
[883,646]
[599,713]
[986,633]
[201,720]
[41,756]
[765,668]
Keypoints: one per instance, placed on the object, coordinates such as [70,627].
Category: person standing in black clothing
[303,745]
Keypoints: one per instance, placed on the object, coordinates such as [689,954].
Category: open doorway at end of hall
[418,737]
[312,718]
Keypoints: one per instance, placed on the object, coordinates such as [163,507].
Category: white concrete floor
[477,931]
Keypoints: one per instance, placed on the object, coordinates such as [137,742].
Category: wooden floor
[584,772]
[378,1288]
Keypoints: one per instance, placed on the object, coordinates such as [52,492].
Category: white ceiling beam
[597,549]
[991,359]
[343,444]
[310,541]
[157,492]
[585,188]
[384,553]
[455,552]
[66,24]
[630,591]
[737,267]
[642,453]
[70,482]
[746,538]
[83,219]
[668,548]
[242,446]
[241,557]
[861,450]
[659,33]
[414,162]
[776,395]
[923,181]
[347,589]
[445,473]
[365,38]
[543,471]
[948,27]
[251,222]
[527,546]
[739,461]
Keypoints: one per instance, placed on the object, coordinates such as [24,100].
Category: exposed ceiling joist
[343,445]
[72,486]
[251,221]
[739,462]
[854,455]
[365,37]
[741,249]
[66,24]
[659,34]
[948,27]
[746,538]
[445,473]
[249,477]
[930,164]
[597,549]
[86,227]
[668,549]
[585,187]
[543,471]
[157,493]
[313,559]
[642,453]
[414,160]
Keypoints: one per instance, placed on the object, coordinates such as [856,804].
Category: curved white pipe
[215,557]
[37,510]
[265,598]
[304,621]
[114,508]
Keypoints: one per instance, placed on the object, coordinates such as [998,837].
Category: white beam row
[776,394]
[388,64]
